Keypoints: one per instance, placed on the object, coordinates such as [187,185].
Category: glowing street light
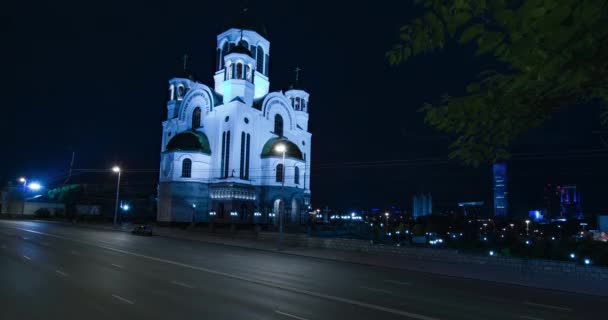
[34,186]
[527,227]
[116,169]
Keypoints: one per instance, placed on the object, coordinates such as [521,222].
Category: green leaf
[471,32]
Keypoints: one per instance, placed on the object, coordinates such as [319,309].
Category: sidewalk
[462,270]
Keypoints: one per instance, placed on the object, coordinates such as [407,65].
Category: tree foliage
[549,53]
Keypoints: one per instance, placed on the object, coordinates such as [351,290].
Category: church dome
[190,141]
[292,150]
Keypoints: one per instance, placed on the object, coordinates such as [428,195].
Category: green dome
[190,141]
[292,149]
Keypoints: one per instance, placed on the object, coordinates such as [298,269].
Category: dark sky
[93,79]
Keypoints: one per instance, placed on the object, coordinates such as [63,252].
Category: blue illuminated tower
[500,189]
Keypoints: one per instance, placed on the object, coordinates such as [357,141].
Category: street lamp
[282,149]
[527,227]
[386,214]
[116,169]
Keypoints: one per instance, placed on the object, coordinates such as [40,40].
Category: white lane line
[245,279]
[25,238]
[122,299]
[289,315]
[401,283]
[181,284]
[117,266]
[375,289]
[26,257]
[530,318]
[548,306]
[61,273]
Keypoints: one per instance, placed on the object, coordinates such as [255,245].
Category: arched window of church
[180,92]
[229,69]
[196,118]
[297,104]
[247,72]
[224,51]
[171,93]
[279,173]
[239,71]
[296,175]
[278,125]
[244,43]
[218,59]
[186,168]
[259,60]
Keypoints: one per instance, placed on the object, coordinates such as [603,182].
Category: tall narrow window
[224,51]
[259,60]
[227,162]
[247,152]
[266,64]
[278,125]
[239,71]
[218,57]
[297,104]
[279,173]
[242,167]
[254,50]
[196,118]
[296,175]
[180,92]
[186,168]
[223,154]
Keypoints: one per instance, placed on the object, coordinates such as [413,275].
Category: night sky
[93,80]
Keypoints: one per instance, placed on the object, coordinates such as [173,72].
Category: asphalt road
[53,271]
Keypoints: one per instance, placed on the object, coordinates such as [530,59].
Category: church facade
[235,152]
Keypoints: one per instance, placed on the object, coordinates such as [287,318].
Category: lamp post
[527,227]
[386,214]
[282,149]
[193,212]
[116,169]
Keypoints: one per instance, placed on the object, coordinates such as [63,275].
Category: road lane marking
[61,273]
[25,238]
[375,290]
[123,299]
[181,284]
[548,306]
[401,283]
[26,257]
[289,315]
[245,279]
[117,266]
[530,318]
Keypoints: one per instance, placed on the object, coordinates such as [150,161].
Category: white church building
[235,152]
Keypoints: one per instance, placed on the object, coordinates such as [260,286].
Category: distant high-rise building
[422,205]
[500,189]
[562,202]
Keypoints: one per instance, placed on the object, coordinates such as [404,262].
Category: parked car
[142,229]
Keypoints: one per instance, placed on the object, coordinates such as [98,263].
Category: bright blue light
[572,256]
[552,238]
[492,252]
[34,186]
[587,261]
[527,241]
[126,207]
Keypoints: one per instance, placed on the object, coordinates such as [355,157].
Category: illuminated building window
[186,168]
